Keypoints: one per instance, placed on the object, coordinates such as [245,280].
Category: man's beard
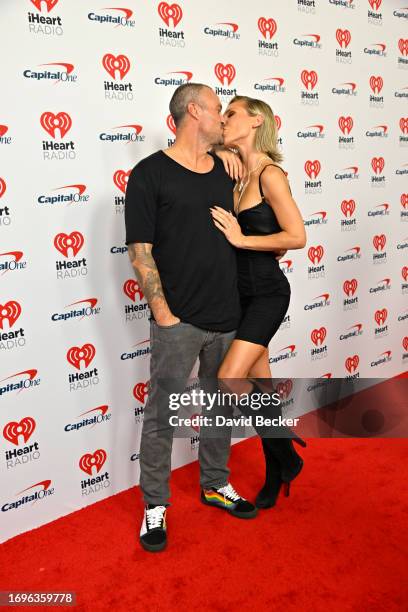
[220,140]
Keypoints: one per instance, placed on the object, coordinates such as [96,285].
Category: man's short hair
[184,94]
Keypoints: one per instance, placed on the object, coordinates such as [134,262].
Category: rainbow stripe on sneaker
[216,498]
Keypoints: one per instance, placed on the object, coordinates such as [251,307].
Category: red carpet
[338,543]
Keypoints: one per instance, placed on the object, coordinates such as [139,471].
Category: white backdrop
[85,92]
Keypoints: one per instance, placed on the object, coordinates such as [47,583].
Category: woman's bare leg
[261,368]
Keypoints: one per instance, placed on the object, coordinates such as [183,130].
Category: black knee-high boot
[269,493]
[280,448]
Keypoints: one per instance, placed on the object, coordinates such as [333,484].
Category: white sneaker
[153,535]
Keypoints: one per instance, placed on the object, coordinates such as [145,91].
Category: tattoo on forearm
[148,275]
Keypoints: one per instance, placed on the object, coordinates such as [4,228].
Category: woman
[266,220]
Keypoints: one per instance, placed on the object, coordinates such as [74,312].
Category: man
[187,271]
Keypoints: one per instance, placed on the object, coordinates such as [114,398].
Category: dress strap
[260,174]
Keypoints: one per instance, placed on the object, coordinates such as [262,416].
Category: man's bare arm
[140,254]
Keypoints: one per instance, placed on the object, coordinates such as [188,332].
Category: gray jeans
[174,351]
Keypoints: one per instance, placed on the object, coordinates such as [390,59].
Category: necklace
[243,185]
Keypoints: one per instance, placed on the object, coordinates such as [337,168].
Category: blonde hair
[266,138]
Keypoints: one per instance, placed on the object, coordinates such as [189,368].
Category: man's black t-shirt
[168,206]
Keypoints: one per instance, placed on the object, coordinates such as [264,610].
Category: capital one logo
[375,4]
[75,355]
[51,122]
[48,3]
[343,37]
[284,388]
[24,428]
[351,363]
[379,242]
[315,253]
[170,124]
[170,12]
[377,164]
[313,168]
[3,187]
[224,73]
[88,461]
[66,242]
[403,123]
[116,65]
[267,27]
[309,79]
[318,336]
[120,178]
[140,391]
[350,287]
[380,316]
[131,288]
[348,207]
[10,312]
[404,200]
[346,124]
[403,46]
[376,84]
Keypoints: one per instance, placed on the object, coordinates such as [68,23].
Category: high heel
[269,493]
[299,441]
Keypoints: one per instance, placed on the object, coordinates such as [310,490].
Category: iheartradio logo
[379,242]
[404,273]
[403,123]
[24,428]
[116,65]
[404,200]
[315,253]
[350,287]
[169,12]
[10,312]
[309,79]
[351,363]
[343,37]
[120,178]
[377,164]
[48,3]
[380,316]
[131,288]
[140,391]
[225,72]
[375,4]
[69,242]
[318,336]
[170,124]
[3,130]
[405,343]
[76,354]
[346,124]
[403,46]
[3,187]
[61,121]
[313,168]
[267,27]
[88,461]
[376,84]
[348,207]
[284,388]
